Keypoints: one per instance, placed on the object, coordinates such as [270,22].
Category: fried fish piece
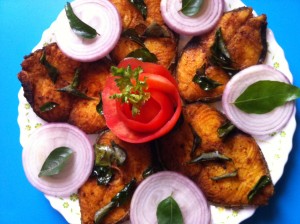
[92,196]
[39,88]
[245,39]
[227,181]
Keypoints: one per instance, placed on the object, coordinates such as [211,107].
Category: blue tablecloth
[22,23]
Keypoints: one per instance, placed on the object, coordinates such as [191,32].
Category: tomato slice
[148,67]
[157,116]
[153,115]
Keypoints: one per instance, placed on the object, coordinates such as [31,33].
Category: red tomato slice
[148,67]
[159,107]
[159,114]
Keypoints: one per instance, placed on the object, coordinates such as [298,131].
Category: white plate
[275,149]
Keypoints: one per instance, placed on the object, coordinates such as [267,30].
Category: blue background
[21,25]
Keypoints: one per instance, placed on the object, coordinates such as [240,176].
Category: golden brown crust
[176,153]
[244,37]
[92,197]
[39,89]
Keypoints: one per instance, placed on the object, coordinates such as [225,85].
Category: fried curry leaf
[134,36]
[204,81]
[143,54]
[52,71]
[56,161]
[48,106]
[79,27]
[225,129]
[210,156]
[106,155]
[116,201]
[226,175]
[191,7]
[99,107]
[168,211]
[196,142]
[103,174]
[155,30]
[219,54]
[72,88]
[141,6]
[261,184]
[264,96]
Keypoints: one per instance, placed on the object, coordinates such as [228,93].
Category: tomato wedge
[157,116]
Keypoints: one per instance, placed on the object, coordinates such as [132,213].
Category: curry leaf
[204,81]
[141,6]
[261,184]
[143,54]
[168,212]
[52,71]
[191,7]
[78,26]
[48,106]
[56,161]
[210,156]
[263,96]
[132,35]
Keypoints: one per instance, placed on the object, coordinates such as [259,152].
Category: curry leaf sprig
[132,89]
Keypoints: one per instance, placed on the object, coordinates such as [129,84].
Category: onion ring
[75,173]
[255,124]
[155,188]
[102,16]
[206,19]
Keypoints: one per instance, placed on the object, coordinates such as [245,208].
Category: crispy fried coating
[39,89]
[92,196]
[177,149]
[245,38]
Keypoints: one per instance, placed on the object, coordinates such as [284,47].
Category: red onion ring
[204,21]
[75,173]
[159,186]
[102,16]
[255,124]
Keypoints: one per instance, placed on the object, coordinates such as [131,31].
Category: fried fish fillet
[92,196]
[40,90]
[245,39]
[225,182]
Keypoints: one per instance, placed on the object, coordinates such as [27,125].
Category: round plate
[276,148]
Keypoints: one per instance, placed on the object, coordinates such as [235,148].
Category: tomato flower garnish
[141,101]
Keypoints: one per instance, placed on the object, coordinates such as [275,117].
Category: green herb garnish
[48,106]
[56,161]
[103,174]
[78,26]
[72,88]
[156,30]
[225,176]
[132,89]
[99,107]
[132,35]
[116,201]
[168,211]
[204,81]
[141,6]
[52,71]
[210,156]
[219,54]
[225,129]
[264,96]
[191,7]
[143,54]
[260,185]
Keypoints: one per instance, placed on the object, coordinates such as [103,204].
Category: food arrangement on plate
[155,110]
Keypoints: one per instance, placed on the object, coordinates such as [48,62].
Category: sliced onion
[157,187]
[99,14]
[255,124]
[78,168]
[207,18]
